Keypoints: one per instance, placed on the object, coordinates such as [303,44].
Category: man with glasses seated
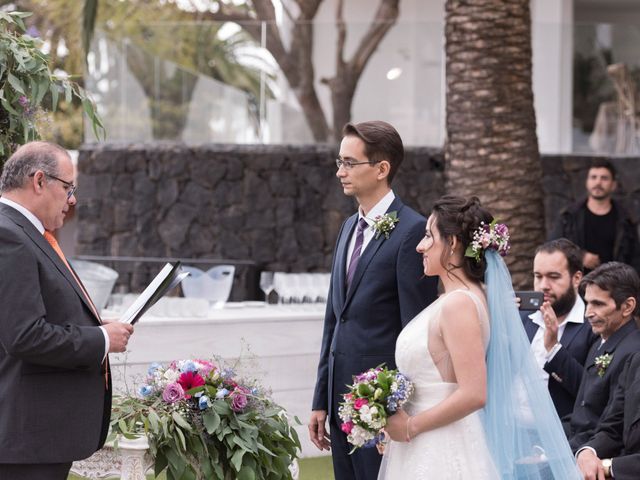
[55,392]
[377,285]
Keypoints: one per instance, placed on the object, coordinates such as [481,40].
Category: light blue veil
[523,430]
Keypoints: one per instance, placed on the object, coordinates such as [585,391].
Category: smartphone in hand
[530,300]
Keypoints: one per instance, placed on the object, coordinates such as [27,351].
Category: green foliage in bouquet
[25,79]
[202,423]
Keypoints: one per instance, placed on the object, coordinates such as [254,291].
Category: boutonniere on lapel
[384,224]
[602,363]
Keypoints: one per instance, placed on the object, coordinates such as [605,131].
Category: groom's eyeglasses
[349,164]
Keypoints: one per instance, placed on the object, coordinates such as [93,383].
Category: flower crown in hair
[494,236]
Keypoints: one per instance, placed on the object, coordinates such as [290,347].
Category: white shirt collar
[576,314]
[379,208]
[30,216]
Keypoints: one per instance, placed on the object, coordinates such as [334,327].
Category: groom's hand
[317,429]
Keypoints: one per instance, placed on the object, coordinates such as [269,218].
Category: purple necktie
[357,250]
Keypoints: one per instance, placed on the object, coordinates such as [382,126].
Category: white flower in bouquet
[359,436]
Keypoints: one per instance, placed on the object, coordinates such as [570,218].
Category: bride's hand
[397,426]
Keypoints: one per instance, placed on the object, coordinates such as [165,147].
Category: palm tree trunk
[492,148]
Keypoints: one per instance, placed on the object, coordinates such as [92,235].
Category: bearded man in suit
[559,335]
[377,286]
[55,393]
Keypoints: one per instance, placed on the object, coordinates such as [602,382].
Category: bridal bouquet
[203,422]
[374,396]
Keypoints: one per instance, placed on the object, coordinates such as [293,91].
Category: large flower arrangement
[203,422]
[372,398]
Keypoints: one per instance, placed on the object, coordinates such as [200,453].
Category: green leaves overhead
[25,79]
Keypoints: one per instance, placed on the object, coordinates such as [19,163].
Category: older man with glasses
[377,285]
[55,392]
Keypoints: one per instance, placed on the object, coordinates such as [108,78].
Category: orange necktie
[48,236]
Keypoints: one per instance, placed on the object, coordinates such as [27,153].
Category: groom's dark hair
[381,142]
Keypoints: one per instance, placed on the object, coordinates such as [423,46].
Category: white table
[279,345]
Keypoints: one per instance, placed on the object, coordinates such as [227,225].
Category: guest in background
[377,286]
[600,225]
[560,338]
[614,450]
[611,296]
[55,397]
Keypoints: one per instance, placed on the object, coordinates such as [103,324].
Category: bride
[478,409]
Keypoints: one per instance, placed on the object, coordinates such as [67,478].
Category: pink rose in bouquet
[173,393]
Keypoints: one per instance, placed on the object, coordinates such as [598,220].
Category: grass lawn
[310,469]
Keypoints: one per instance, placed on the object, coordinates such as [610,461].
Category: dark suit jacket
[388,289]
[618,434]
[566,367]
[596,392]
[54,407]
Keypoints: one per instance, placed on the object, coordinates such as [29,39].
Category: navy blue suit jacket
[361,325]
[596,392]
[566,367]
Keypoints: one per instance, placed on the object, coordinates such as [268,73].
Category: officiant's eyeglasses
[348,164]
[69,187]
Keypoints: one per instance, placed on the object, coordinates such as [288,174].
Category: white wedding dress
[455,451]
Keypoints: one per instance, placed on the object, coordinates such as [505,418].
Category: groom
[377,287]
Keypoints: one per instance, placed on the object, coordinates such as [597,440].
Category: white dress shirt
[38,224]
[576,315]
[379,208]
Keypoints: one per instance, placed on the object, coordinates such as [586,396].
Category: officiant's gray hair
[27,160]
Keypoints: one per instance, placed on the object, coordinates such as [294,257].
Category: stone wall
[261,207]
[276,207]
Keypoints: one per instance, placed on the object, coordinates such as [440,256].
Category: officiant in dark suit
[611,294]
[55,395]
[377,285]
[559,335]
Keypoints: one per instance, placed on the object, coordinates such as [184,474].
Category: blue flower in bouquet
[145,390]
[204,402]
[189,367]
[223,392]
[153,367]
[401,388]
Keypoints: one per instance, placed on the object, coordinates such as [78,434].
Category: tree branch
[308,8]
[384,19]
[342,35]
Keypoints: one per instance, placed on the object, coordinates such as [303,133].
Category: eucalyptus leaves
[25,80]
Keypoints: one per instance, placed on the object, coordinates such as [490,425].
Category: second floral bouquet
[374,396]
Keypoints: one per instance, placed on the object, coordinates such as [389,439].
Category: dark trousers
[39,471]
[363,464]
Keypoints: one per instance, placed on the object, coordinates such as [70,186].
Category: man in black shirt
[600,225]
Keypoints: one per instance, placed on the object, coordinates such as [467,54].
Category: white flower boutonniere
[384,224]
[602,363]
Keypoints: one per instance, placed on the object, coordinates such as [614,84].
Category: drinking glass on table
[266,284]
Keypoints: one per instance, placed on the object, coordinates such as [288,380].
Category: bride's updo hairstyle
[460,218]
